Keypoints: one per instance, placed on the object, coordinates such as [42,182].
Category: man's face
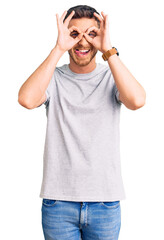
[82,58]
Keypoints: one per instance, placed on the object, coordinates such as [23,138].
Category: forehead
[83,23]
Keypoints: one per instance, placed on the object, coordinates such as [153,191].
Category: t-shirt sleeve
[117,95]
[48,92]
[116,92]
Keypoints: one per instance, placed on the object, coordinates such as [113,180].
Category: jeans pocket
[110,205]
[49,202]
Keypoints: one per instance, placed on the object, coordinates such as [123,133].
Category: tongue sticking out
[81,53]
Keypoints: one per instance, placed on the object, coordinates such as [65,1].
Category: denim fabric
[67,220]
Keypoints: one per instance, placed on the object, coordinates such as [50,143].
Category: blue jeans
[67,220]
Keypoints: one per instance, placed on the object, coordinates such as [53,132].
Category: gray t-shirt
[81,159]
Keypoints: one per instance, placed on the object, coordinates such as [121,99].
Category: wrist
[106,49]
[56,53]
[58,49]
[106,55]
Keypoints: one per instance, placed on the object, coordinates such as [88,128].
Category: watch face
[116,50]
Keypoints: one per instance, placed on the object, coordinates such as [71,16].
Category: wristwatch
[109,53]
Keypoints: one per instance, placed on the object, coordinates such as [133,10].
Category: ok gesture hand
[65,41]
[102,40]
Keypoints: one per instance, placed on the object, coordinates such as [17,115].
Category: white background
[28,33]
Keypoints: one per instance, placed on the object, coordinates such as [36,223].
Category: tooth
[83,50]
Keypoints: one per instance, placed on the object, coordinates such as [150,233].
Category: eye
[92,34]
[74,34]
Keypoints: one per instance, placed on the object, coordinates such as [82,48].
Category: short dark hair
[82,11]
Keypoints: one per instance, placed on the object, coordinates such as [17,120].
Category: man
[82,184]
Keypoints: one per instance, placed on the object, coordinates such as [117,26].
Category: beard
[81,61]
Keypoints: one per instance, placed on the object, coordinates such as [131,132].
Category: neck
[82,69]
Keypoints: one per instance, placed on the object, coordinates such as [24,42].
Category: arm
[32,92]
[131,92]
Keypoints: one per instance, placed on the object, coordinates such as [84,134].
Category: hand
[102,40]
[65,41]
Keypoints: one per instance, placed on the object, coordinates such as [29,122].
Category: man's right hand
[32,92]
[65,41]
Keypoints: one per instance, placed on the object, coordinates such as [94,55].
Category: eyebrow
[87,30]
[74,31]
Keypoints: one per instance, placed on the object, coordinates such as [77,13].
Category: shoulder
[61,69]
[103,68]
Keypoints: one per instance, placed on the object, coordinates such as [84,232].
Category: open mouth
[82,52]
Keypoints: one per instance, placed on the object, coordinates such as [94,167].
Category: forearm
[132,94]
[35,86]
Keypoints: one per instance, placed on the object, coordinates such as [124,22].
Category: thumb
[79,37]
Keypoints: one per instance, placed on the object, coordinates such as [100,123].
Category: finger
[106,22]
[71,29]
[66,22]
[100,19]
[74,31]
[58,21]
[63,16]
[78,38]
[91,29]
[89,39]
[103,14]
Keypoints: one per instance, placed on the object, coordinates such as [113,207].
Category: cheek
[70,51]
[94,49]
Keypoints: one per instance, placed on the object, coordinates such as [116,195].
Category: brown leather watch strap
[109,53]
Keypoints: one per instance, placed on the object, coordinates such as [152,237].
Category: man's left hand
[102,40]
